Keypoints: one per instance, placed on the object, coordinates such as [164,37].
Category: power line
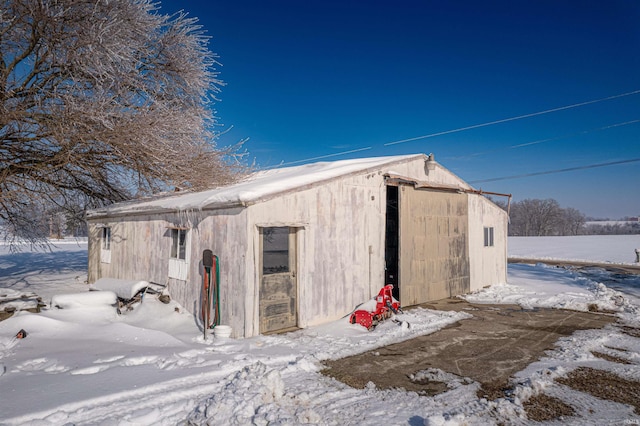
[325,156]
[549,172]
[473,127]
[504,120]
[539,141]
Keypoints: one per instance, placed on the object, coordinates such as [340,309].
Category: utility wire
[468,128]
[504,120]
[539,141]
[549,172]
[324,156]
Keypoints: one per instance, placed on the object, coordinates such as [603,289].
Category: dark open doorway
[391,241]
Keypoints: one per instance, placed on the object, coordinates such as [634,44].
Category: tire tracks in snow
[166,402]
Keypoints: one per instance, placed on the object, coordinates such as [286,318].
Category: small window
[106,238]
[275,250]
[179,244]
[488,236]
[105,245]
[178,263]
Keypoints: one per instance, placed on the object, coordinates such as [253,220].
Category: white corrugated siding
[488,265]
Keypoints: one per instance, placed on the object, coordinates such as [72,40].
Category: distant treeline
[620,228]
[533,217]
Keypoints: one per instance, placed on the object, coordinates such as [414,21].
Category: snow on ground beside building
[590,248]
[151,365]
[62,268]
[552,287]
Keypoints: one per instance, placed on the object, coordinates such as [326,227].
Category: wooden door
[278,284]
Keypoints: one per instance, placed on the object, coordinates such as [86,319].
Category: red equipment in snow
[385,306]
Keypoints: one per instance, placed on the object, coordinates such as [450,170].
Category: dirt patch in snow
[611,358]
[498,341]
[631,331]
[599,383]
[605,385]
[542,408]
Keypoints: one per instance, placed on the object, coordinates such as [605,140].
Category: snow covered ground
[591,248]
[86,364]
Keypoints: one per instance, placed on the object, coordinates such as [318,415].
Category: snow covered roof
[259,186]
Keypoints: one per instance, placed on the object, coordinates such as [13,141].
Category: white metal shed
[300,246]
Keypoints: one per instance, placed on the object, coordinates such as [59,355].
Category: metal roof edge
[154,211]
[368,170]
[104,212]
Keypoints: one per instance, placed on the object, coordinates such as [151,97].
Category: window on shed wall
[179,254]
[179,244]
[275,250]
[106,238]
[488,236]
[105,245]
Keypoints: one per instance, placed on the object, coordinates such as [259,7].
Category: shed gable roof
[257,187]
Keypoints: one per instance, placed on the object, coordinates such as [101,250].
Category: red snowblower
[386,305]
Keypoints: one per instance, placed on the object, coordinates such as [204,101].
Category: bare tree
[572,222]
[533,217]
[109,99]
[518,221]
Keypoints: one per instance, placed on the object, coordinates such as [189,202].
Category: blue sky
[308,79]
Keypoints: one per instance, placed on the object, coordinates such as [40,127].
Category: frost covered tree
[103,100]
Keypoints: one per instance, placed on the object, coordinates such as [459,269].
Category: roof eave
[106,214]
